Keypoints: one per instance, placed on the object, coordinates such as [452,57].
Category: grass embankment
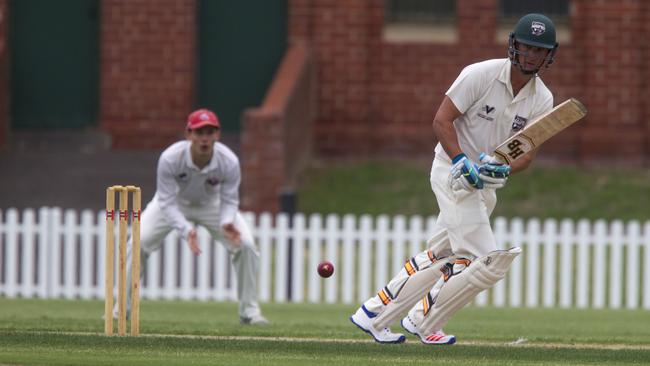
[544,192]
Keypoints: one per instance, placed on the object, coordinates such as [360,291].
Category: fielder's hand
[193,242]
[465,174]
[492,172]
[231,233]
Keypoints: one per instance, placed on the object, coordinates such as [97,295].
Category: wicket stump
[110,256]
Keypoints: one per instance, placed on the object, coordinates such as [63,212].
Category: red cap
[202,117]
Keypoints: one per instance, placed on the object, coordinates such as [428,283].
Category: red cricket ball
[325,269]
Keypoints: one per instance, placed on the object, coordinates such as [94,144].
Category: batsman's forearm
[523,162]
[446,135]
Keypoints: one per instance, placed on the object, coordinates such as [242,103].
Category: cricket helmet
[534,30]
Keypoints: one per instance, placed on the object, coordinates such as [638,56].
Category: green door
[54,63]
[241,44]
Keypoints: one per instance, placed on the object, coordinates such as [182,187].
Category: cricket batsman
[487,103]
[197,183]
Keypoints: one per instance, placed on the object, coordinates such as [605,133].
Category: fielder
[486,104]
[197,183]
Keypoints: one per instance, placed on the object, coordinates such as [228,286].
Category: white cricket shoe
[438,337]
[253,320]
[363,319]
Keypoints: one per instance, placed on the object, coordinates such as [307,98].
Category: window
[420,11]
[511,10]
[420,20]
[558,10]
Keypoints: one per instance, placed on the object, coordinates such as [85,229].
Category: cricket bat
[541,129]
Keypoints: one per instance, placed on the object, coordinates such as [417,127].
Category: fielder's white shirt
[180,182]
[490,112]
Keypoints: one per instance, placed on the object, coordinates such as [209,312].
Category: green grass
[58,332]
[403,188]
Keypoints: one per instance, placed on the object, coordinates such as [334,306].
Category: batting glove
[465,174]
[492,172]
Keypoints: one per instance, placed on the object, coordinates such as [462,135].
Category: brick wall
[374,98]
[613,47]
[378,98]
[148,58]
[4,73]
[274,143]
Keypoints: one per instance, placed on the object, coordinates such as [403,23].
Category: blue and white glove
[492,172]
[464,174]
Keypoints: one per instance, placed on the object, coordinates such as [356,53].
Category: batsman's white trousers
[245,256]
[462,228]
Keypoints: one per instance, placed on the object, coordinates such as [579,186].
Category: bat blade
[541,129]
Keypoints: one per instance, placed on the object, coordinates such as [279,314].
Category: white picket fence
[51,253]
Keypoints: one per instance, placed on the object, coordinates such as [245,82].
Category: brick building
[345,87]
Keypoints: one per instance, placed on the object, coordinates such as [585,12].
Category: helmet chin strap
[527,72]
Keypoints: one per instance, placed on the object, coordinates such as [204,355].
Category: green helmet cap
[536,30]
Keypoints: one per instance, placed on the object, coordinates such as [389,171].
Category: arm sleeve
[466,89]
[167,189]
[229,195]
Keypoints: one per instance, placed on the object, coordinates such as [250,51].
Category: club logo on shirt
[518,123]
[487,109]
[183,177]
[212,181]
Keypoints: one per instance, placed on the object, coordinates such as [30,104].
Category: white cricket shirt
[490,112]
[180,182]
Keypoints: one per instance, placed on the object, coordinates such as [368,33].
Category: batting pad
[414,289]
[482,274]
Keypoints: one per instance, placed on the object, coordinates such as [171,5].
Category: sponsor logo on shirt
[487,109]
[212,181]
[183,177]
[519,122]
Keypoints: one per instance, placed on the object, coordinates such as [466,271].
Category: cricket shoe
[253,320]
[438,337]
[363,319]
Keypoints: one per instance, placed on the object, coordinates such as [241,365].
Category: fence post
[11,258]
[332,236]
[398,241]
[548,276]
[27,260]
[264,234]
[298,258]
[381,251]
[599,264]
[532,262]
[632,288]
[288,207]
[86,254]
[565,272]
[347,273]
[42,233]
[281,256]
[616,264]
[582,280]
[365,253]
[646,265]
[315,238]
